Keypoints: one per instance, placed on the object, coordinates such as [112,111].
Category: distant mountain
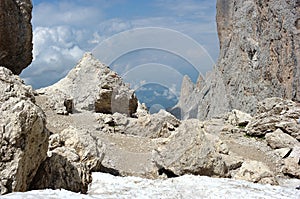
[156,97]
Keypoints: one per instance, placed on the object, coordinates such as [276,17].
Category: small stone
[255,171]
[279,139]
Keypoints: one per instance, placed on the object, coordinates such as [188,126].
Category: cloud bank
[63,30]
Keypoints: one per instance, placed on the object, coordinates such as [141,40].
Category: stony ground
[131,155]
[125,153]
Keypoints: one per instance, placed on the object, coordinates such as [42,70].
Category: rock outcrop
[259,57]
[91,86]
[15,34]
[23,136]
[273,114]
[254,171]
[72,156]
[190,150]
[158,125]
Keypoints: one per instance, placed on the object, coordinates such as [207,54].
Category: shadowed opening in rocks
[167,172]
[111,171]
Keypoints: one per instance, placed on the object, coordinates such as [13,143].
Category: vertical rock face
[259,56]
[183,109]
[23,136]
[15,34]
[259,50]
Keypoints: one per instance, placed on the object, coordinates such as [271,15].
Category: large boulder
[91,86]
[72,156]
[278,139]
[190,150]
[15,34]
[291,165]
[259,58]
[23,136]
[255,171]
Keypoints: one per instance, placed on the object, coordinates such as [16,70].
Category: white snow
[108,186]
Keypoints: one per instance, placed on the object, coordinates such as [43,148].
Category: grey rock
[255,171]
[158,125]
[190,150]
[232,162]
[259,57]
[275,113]
[15,34]
[282,152]
[91,86]
[73,155]
[291,167]
[182,110]
[279,139]
[23,136]
[295,152]
[239,118]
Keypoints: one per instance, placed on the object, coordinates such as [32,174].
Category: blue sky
[64,29]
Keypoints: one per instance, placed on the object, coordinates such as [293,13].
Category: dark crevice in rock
[111,171]
[167,172]
[288,153]
[251,54]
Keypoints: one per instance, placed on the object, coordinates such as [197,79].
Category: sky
[64,29]
[146,42]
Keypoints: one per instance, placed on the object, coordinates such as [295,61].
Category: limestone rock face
[275,113]
[292,163]
[15,34]
[259,57]
[23,136]
[183,109]
[191,151]
[72,156]
[254,171]
[91,86]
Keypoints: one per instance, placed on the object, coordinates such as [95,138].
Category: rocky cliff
[15,34]
[95,124]
[259,57]
[23,136]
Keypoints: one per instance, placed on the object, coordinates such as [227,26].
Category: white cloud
[55,50]
[64,30]
[66,13]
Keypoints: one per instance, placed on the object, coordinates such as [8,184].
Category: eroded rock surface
[259,58]
[275,113]
[158,125]
[15,34]
[254,171]
[190,150]
[91,86]
[72,156]
[23,136]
